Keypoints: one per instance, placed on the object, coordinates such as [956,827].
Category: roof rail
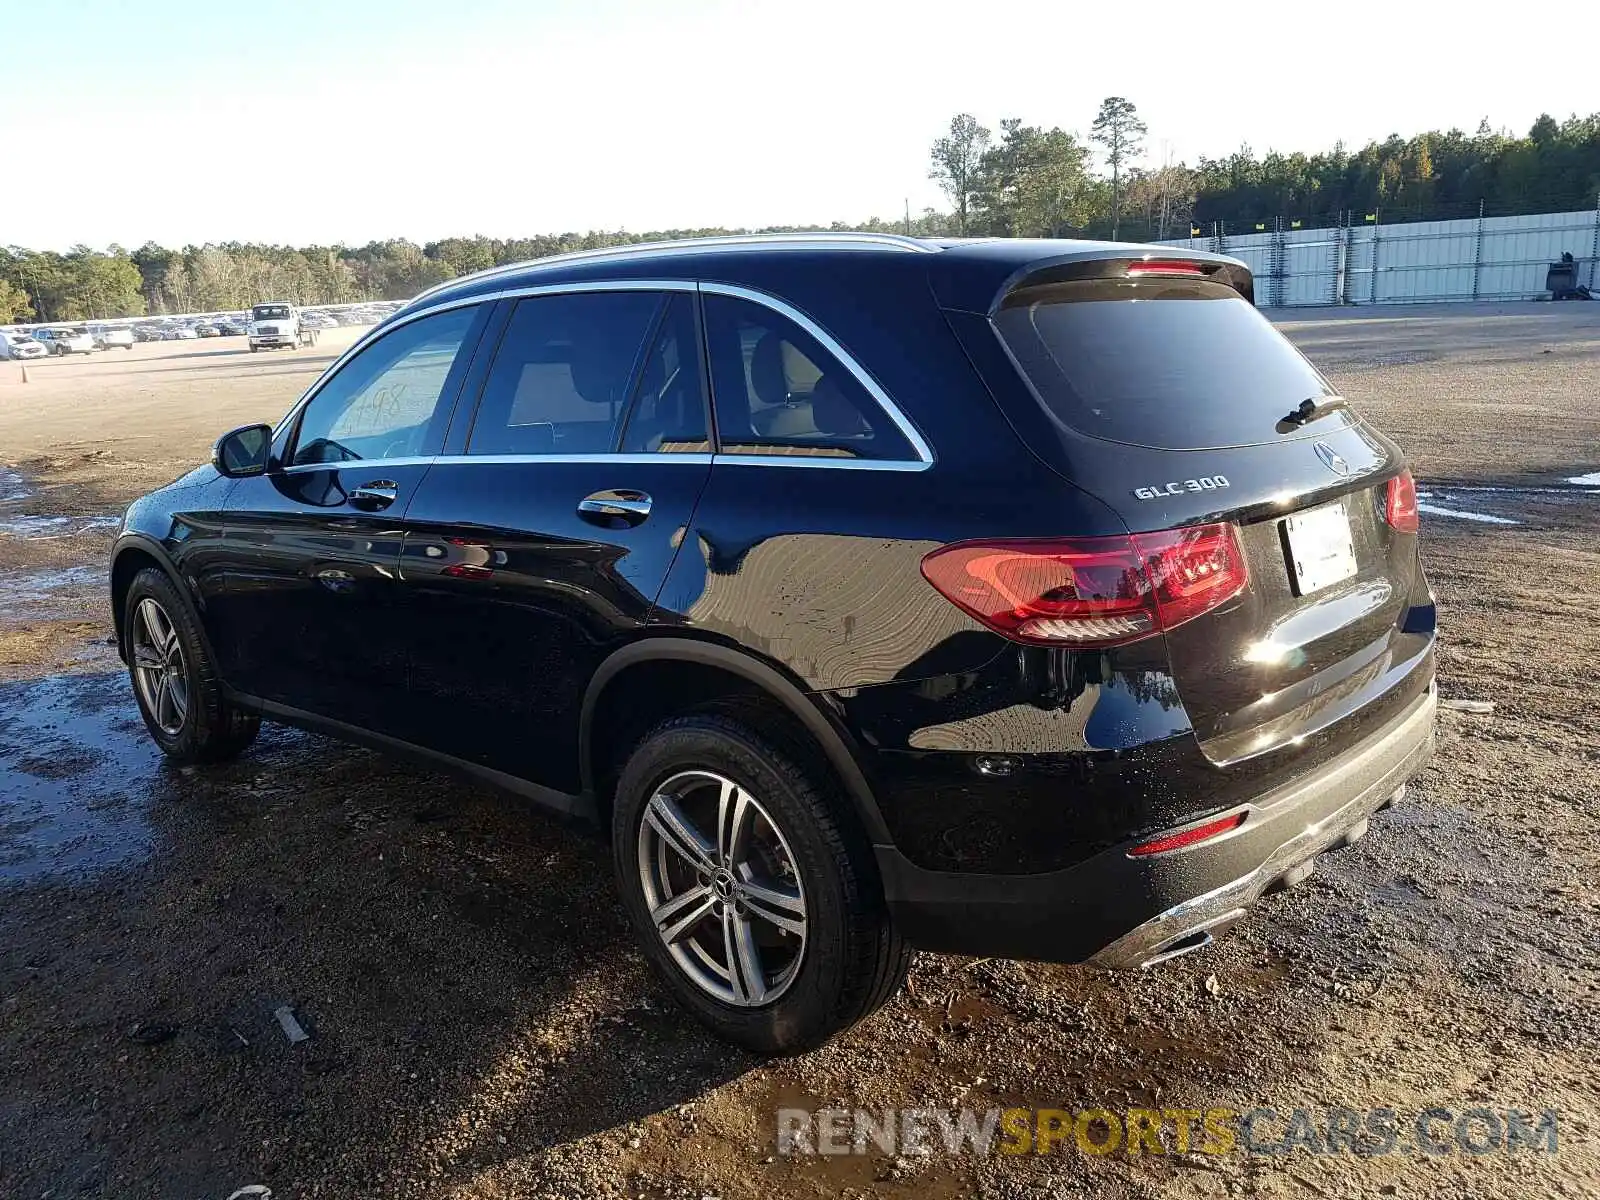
[822,240]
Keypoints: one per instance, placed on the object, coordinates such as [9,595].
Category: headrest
[767,377]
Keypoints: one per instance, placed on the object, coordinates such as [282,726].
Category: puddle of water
[76,765]
[1522,491]
[11,486]
[26,590]
[1464,515]
[43,527]
[46,528]
[1592,480]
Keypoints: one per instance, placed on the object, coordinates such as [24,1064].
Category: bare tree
[955,161]
[1118,128]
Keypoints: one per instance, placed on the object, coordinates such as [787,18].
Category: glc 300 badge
[1206,483]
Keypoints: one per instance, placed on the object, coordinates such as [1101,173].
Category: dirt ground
[480,1027]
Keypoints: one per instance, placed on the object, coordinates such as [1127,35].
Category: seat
[783,417]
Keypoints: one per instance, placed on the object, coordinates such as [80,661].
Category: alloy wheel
[159,671]
[729,904]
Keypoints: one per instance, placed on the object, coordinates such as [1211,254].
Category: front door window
[386,401]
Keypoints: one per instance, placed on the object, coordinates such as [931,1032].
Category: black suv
[1024,598]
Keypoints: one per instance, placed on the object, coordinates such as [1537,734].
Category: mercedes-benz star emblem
[1331,458]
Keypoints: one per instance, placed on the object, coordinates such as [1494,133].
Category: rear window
[1173,364]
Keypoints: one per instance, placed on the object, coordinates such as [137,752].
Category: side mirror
[244,451]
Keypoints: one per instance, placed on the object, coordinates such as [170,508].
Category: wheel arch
[132,554]
[752,674]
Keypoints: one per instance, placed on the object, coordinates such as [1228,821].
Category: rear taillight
[1164,266]
[1400,503]
[1091,591]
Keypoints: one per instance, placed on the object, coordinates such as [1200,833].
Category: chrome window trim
[364,463]
[903,423]
[694,457]
[820,460]
[699,457]
[919,445]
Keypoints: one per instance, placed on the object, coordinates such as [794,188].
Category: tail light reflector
[1164,266]
[1400,503]
[1188,837]
[1091,591]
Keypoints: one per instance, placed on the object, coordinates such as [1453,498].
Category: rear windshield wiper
[1312,409]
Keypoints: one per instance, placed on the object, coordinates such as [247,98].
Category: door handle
[604,508]
[374,494]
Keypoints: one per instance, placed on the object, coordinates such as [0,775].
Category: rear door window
[1171,364]
[560,379]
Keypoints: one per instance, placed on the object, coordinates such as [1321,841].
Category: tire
[803,848]
[188,716]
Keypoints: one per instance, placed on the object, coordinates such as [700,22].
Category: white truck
[275,325]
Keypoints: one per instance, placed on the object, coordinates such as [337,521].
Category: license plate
[1321,550]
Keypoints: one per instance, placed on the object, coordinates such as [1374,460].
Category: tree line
[1018,181]
[1029,181]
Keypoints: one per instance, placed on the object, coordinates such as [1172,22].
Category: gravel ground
[480,1027]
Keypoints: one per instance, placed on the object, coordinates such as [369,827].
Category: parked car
[66,339]
[205,329]
[1017,598]
[147,333]
[21,346]
[112,337]
[182,333]
[229,327]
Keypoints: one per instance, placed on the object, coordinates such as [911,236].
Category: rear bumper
[1115,911]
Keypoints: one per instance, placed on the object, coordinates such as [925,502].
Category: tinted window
[385,402]
[1174,364]
[668,414]
[559,383]
[778,392]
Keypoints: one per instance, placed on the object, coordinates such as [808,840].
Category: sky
[332,121]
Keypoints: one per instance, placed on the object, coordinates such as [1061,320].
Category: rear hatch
[1163,392]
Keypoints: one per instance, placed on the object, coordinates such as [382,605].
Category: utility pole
[908,216]
[1166,188]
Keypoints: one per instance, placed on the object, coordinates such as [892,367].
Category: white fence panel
[1493,258]
[1310,264]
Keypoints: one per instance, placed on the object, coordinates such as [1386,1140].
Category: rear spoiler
[1214,268]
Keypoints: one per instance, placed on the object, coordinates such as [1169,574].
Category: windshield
[270,312]
[1173,364]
